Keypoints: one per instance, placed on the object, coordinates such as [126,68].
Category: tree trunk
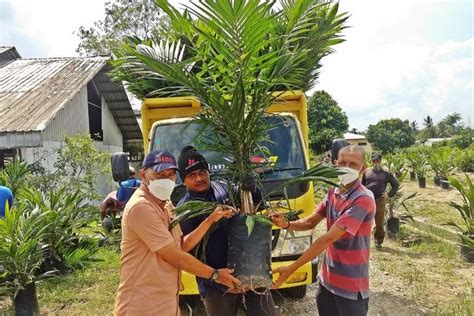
[26,301]
[246,202]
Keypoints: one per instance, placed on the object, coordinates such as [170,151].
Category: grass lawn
[90,291]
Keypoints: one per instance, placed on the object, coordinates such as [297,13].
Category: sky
[402,58]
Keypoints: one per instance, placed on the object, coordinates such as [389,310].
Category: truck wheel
[294,292]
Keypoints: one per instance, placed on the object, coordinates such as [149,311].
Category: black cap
[376,156]
[190,160]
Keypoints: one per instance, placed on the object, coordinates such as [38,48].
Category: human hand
[220,212]
[278,219]
[284,274]
[224,276]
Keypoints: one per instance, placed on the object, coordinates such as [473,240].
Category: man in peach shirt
[152,256]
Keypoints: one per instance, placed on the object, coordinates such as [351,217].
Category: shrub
[464,159]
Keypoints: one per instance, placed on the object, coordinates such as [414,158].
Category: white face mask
[161,188]
[350,176]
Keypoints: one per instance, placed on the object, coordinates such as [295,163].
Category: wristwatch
[214,275]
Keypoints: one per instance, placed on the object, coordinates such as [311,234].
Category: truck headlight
[288,245]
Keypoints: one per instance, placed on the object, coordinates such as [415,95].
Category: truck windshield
[284,148]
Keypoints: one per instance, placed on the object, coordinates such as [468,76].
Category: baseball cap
[376,156]
[190,160]
[159,160]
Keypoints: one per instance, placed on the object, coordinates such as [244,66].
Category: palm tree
[236,57]
[429,130]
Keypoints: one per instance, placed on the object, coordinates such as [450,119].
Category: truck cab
[167,124]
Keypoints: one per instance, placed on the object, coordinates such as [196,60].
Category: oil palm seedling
[441,161]
[417,161]
[21,257]
[397,209]
[64,214]
[466,210]
[236,57]
[396,164]
[14,175]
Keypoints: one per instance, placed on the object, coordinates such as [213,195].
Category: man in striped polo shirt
[349,212]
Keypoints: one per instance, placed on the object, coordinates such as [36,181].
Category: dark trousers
[330,304]
[379,219]
[220,304]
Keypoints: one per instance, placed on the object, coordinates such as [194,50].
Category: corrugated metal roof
[8,53]
[32,91]
[350,136]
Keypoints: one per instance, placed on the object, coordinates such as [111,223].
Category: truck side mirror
[337,144]
[119,162]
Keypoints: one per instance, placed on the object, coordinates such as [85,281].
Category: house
[356,139]
[44,99]
[431,141]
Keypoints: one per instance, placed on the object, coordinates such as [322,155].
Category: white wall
[112,133]
[71,120]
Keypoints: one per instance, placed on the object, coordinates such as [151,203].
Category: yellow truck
[167,123]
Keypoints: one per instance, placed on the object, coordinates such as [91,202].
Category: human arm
[302,224]
[313,251]
[194,237]
[358,218]
[393,184]
[306,223]
[184,261]
[149,225]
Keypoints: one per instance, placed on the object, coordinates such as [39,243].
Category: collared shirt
[345,268]
[148,284]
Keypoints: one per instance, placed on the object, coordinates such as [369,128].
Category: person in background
[151,253]
[349,212]
[6,200]
[376,179]
[194,171]
[110,205]
[127,187]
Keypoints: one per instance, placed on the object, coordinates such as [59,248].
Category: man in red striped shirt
[349,212]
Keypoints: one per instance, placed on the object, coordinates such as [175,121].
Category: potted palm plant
[466,210]
[443,159]
[235,57]
[21,256]
[396,164]
[410,157]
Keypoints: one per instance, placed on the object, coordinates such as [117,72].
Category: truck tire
[294,292]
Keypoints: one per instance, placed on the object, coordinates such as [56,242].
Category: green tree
[450,125]
[326,121]
[391,134]
[140,19]
[429,131]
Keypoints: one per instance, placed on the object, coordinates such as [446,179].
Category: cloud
[392,65]
[45,28]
